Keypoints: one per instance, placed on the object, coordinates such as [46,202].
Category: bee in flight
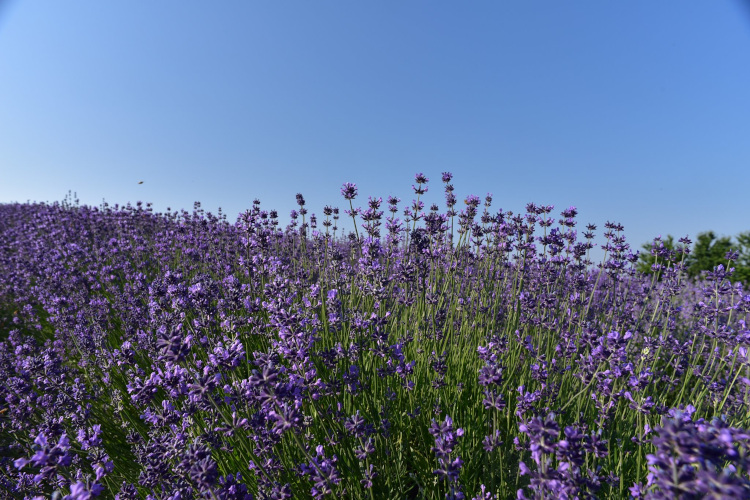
[140,182]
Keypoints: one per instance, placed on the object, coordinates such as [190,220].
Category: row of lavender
[442,355]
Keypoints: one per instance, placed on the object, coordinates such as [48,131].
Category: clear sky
[634,111]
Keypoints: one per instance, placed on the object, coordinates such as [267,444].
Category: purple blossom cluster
[696,459]
[467,353]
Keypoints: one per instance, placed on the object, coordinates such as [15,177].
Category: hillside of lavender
[451,351]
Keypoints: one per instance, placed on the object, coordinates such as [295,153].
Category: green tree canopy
[660,254]
[708,252]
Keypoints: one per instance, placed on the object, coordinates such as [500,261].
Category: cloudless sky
[634,111]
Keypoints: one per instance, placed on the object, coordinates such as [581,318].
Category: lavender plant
[446,355]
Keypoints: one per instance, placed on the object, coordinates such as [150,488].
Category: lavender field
[436,352]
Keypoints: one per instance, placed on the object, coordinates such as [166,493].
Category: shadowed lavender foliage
[468,353]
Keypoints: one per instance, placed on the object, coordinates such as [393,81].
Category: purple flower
[80,491]
[48,458]
[356,425]
[445,435]
[287,417]
[323,473]
[349,191]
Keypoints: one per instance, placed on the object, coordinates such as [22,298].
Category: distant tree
[742,265]
[660,254]
[708,252]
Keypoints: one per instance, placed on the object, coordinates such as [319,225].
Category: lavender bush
[427,354]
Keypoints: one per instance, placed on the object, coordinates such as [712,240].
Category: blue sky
[633,111]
